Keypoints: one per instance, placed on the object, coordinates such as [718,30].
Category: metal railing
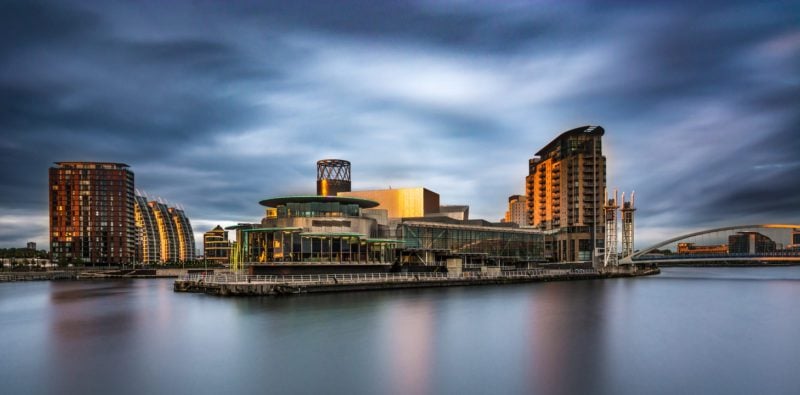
[361,278]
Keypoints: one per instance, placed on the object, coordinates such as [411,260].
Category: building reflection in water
[410,338]
[566,339]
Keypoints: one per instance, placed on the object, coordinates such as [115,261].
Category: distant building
[517,210]
[795,245]
[91,213]
[565,190]
[750,243]
[692,248]
[216,246]
[164,233]
[31,245]
[402,202]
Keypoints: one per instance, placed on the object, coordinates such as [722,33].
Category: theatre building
[314,234]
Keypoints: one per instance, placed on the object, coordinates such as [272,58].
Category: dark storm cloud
[218,105]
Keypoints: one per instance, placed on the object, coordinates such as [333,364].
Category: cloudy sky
[219,104]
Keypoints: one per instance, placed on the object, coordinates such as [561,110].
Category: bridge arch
[659,245]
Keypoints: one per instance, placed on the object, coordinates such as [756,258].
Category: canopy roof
[282,201]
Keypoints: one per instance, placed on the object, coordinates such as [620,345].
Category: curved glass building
[318,230]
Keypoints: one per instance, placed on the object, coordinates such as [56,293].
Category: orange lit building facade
[91,213]
[692,248]
[164,233]
[565,190]
[401,202]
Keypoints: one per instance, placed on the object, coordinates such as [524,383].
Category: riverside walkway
[230,284]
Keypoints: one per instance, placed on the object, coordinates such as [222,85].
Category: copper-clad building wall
[92,213]
[403,202]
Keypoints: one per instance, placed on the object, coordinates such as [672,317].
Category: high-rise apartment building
[164,233]
[565,190]
[91,213]
[183,229]
[149,239]
[216,246]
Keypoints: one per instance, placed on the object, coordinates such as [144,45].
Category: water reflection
[567,338]
[410,336]
[689,330]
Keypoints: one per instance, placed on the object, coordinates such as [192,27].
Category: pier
[230,284]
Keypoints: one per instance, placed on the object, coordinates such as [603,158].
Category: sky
[216,105]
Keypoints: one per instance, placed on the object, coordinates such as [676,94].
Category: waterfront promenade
[230,284]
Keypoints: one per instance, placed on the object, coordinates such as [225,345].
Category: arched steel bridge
[778,256]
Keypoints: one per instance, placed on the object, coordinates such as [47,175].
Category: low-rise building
[216,247]
[750,243]
[692,248]
[324,232]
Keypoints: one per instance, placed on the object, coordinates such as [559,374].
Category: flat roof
[333,234]
[385,241]
[282,201]
[241,226]
[273,229]
[91,163]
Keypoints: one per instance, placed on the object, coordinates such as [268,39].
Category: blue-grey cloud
[217,105]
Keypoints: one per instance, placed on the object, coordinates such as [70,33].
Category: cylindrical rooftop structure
[333,176]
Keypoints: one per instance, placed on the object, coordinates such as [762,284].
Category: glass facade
[493,244]
[288,245]
[317,209]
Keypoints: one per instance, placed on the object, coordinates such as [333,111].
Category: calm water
[689,331]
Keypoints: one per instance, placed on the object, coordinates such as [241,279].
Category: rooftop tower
[333,176]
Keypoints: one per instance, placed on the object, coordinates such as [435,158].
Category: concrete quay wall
[287,288]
